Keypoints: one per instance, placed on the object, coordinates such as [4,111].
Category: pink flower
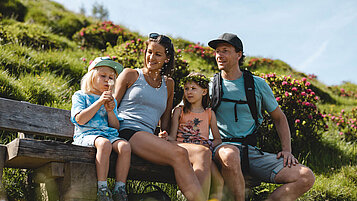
[312,93]
[179,50]
[81,33]
[284,83]
[304,79]
[316,98]
[341,133]
[278,98]
[114,57]
[84,59]
[297,121]
[303,93]
[307,84]
[307,104]
[308,90]
[294,89]
[342,111]
[286,94]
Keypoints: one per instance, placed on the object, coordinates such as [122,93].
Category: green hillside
[45,50]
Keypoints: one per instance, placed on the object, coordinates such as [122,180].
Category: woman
[145,98]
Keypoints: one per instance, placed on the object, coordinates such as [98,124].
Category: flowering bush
[131,54]
[254,62]
[206,53]
[346,123]
[347,89]
[98,35]
[298,102]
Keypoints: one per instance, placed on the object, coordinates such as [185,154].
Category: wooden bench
[68,171]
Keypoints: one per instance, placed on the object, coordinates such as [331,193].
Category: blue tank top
[142,105]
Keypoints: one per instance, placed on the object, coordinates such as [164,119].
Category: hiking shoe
[120,195]
[104,195]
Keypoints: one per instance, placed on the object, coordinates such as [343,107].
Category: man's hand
[163,135]
[288,158]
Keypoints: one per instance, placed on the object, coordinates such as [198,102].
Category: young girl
[94,114]
[190,129]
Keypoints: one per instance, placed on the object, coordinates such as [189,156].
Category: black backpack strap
[217,92]
[250,94]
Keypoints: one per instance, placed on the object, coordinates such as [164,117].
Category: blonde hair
[87,81]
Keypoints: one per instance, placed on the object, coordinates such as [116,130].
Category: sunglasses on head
[163,38]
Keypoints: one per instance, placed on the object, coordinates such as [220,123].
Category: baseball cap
[227,38]
[106,61]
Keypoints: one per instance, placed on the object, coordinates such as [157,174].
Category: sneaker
[120,195]
[104,195]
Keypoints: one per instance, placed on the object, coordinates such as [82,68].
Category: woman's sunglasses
[163,38]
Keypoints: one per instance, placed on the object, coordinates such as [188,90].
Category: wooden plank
[3,196]
[35,119]
[30,153]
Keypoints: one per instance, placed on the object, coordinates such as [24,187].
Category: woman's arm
[174,124]
[214,129]
[123,82]
[165,119]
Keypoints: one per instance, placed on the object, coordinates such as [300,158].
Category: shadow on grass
[327,157]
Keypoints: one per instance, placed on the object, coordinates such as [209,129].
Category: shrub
[298,102]
[206,53]
[346,123]
[13,9]
[35,36]
[98,35]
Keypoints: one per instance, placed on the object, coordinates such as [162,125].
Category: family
[209,140]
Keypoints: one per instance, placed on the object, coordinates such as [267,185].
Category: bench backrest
[35,119]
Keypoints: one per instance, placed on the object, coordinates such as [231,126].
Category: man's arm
[282,127]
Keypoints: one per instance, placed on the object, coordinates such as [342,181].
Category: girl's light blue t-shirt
[99,124]
[234,89]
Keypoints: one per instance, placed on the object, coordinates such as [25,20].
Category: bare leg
[228,156]
[217,183]
[298,180]
[200,158]
[104,149]
[123,149]
[159,151]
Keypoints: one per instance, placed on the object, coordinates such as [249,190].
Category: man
[236,124]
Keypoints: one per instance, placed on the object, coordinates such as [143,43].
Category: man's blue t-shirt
[234,90]
[99,124]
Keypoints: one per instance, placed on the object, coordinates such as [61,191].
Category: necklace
[154,82]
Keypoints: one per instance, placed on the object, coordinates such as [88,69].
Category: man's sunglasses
[163,38]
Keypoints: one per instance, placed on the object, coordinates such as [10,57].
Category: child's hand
[106,97]
[109,105]
[163,135]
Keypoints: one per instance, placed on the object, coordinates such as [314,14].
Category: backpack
[217,94]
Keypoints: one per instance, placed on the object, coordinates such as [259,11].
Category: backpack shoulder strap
[250,94]
[217,91]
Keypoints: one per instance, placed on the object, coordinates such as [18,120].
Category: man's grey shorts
[263,167]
